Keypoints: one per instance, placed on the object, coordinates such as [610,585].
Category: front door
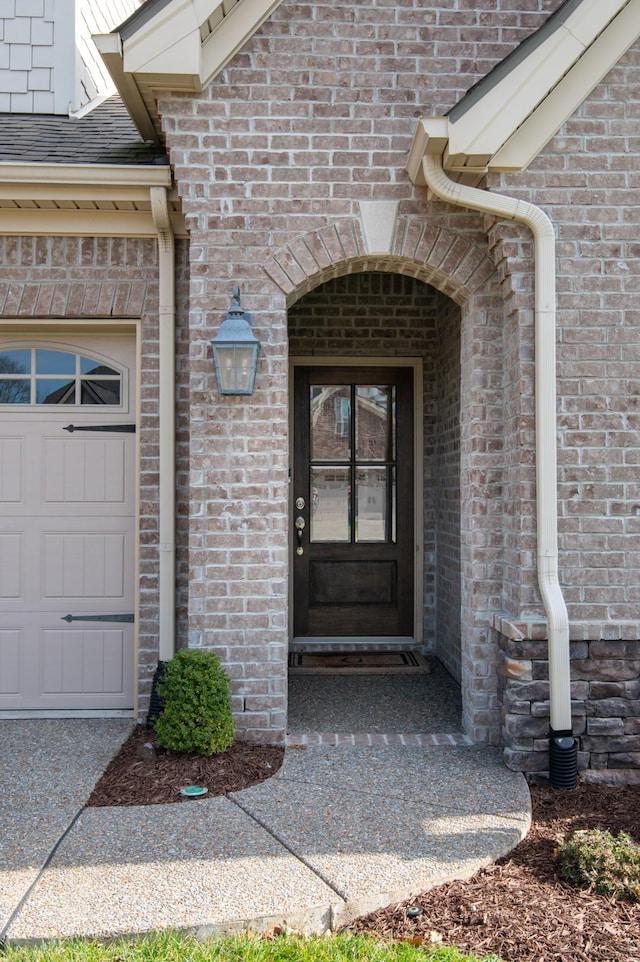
[353,502]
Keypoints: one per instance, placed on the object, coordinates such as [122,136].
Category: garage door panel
[11,661]
[11,470]
[67,536]
[88,566]
[84,470]
[78,661]
[11,555]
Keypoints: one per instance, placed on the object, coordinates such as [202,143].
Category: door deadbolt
[300,503]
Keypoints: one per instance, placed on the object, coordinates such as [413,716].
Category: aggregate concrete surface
[337,832]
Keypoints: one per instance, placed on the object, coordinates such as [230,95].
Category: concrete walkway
[338,831]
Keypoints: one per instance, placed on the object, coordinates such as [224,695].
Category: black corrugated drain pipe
[155,702]
[563,759]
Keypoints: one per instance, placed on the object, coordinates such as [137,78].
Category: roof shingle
[106,135]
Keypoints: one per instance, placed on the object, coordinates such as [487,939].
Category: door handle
[300,524]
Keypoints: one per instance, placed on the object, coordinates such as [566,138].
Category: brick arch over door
[464,272]
[433,254]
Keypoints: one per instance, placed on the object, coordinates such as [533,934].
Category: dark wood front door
[353,501]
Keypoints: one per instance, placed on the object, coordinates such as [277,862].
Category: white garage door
[67,512]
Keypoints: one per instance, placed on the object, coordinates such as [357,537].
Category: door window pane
[55,362]
[375,498]
[330,426]
[15,362]
[373,423]
[59,377]
[330,504]
[52,391]
[89,366]
[17,391]
[99,392]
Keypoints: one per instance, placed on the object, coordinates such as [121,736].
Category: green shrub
[196,705]
[608,864]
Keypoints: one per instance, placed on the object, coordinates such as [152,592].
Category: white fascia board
[483,129]
[531,137]
[168,49]
[84,223]
[180,56]
[92,175]
[232,33]
[172,26]
[110,48]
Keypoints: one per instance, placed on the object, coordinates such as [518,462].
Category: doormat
[357,662]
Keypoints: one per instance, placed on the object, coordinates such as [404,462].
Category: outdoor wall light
[235,351]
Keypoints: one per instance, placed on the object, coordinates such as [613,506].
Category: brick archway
[433,254]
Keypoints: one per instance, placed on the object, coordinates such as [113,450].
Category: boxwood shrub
[196,705]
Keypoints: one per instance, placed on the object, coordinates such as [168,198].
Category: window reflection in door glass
[51,391]
[55,362]
[41,376]
[15,362]
[15,392]
[372,423]
[330,426]
[330,504]
[99,392]
[90,366]
[375,499]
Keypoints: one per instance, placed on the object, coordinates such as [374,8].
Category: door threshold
[351,642]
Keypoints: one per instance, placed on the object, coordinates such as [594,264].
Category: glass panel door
[353,487]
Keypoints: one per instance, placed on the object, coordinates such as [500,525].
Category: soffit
[89,200]
[503,122]
[176,45]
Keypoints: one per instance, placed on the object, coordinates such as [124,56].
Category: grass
[173,947]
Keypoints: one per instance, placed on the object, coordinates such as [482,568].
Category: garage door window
[42,376]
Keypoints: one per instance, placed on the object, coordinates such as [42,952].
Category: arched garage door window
[42,375]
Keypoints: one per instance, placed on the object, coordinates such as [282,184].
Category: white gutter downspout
[167,469]
[545,396]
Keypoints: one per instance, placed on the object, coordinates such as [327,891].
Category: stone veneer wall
[605,702]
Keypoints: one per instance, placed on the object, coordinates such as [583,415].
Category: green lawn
[172,947]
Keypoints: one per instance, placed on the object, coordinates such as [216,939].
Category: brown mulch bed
[520,908]
[134,780]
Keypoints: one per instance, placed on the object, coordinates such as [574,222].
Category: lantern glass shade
[235,351]
[236,367]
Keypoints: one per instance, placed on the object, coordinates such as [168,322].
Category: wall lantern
[235,351]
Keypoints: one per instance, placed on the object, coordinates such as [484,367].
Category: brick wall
[447,491]
[315,115]
[585,180]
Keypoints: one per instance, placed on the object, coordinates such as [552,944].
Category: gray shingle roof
[107,135]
